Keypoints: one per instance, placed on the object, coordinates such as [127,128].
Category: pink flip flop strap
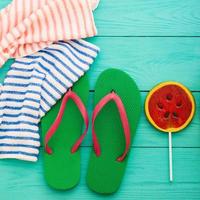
[69,95]
[124,119]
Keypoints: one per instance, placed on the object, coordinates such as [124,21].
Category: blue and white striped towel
[32,86]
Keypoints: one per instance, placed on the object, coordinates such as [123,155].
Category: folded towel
[32,86]
[27,26]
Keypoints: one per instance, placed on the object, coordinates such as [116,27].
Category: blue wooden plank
[4,3]
[148,136]
[147,60]
[150,60]
[146,178]
[146,18]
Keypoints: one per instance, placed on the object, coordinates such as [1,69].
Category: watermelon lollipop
[170,107]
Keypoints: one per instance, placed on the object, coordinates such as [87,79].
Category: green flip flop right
[105,173]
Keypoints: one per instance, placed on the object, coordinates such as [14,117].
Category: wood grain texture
[150,60]
[4,3]
[153,41]
[147,136]
[146,17]
[146,178]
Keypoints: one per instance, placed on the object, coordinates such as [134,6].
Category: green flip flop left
[62,167]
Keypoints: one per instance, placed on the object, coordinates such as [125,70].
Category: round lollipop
[170,107]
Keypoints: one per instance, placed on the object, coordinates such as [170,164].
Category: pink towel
[27,26]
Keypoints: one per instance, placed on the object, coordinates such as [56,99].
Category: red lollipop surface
[170,106]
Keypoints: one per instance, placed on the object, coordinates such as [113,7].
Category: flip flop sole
[62,168]
[105,173]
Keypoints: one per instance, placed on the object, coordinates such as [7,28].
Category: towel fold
[32,86]
[27,26]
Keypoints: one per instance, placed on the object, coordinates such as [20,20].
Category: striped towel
[32,86]
[27,26]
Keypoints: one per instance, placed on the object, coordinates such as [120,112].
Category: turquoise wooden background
[154,41]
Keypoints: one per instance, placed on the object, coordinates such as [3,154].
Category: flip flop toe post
[62,134]
[114,121]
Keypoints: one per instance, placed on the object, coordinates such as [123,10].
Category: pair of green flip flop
[115,118]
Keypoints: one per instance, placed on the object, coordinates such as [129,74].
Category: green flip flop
[115,118]
[61,135]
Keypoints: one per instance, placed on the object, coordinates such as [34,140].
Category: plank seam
[148,36]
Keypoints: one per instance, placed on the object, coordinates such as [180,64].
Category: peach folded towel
[26,26]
